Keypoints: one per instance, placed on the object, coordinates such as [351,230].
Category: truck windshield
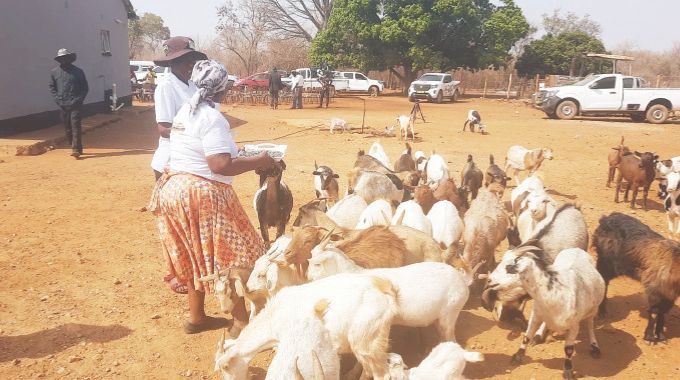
[585,80]
[431,78]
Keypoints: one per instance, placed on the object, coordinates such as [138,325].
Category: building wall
[31,32]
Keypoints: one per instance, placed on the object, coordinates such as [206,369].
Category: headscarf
[211,78]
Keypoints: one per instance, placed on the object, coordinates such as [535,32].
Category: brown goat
[273,201]
[368,162]
[471,178]
[448,191]
[637,169]
[494,174]
[424,196]
[374,247]
[405,162]
[627,247]
[311,214]
[614,159]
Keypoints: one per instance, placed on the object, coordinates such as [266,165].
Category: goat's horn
[483,276]
[476,267]
[238,286]
[525,248]
[401,218]
[318,368]
[220,344]
[384,214]
[298,374]
[326,239]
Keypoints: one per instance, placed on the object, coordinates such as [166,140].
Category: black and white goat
[325,183]
[474,119]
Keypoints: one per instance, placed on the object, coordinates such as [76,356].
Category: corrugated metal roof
[130,9]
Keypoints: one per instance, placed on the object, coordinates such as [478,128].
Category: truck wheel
[657,114]
[637,117]
[454,98]
[440,97]
[373,91]
[566,110]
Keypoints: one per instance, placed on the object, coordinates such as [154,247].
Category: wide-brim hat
[177,47]
[63,55]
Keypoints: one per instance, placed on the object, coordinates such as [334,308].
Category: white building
[31,32]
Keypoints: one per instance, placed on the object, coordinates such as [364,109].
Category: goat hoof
[516,359]
[568,374]
[537,339]
[595,352]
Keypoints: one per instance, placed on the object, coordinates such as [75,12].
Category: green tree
[418,34]
[146,32]
[562,55]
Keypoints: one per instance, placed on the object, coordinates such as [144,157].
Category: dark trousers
[297,97]
[71,118]
[325,93]
[274,99]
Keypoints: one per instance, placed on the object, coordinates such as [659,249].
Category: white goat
[520,158]
[565,293]
[378,213]
[539,205]
[533,183]
[445,362]
[378,152]
[339,123]
[437,170]
[372,185]
[405,123]
[447,226]
[305,352]
[411,214]
[446,288]
[357,311]
[421,161]
[672,205]
[346,212]
[228,286]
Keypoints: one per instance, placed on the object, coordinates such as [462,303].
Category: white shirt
[169,96]
[197,136]
[298,81]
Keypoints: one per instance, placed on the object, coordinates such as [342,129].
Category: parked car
[141,69]
[609,94]
[311,76]
[358,82]
[434,87]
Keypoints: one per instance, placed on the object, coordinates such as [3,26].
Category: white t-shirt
[169,96]
[195,137]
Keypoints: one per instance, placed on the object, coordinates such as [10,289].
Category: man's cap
[64,55]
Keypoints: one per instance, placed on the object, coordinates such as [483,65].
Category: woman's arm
[224,164]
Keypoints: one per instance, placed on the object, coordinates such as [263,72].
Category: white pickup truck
[434,87]
[358,82]
[311,76]
[609,94]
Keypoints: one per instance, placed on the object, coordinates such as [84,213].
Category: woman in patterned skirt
[203,227]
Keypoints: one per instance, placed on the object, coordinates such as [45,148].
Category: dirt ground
[81,294]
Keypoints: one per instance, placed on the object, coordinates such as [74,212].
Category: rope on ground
[283,136]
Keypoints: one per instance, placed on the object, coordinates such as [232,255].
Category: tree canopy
[147,32]
[419,34]
[561,54]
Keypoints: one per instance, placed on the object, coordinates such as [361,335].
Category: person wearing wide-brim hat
[169,96]
[69,88]
[171,93]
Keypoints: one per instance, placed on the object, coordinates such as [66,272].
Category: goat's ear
[637,153]
[656,156]
[508,178]
[211,277]
[316,173]
[336,175]
[238,286]
[617,148]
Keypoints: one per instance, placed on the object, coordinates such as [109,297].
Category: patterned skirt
[202,227]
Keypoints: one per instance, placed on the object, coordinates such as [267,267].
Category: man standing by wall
[69,89]
[275,85]
[296,86]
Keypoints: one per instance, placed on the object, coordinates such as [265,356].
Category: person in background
[170,94]
[275,85]
[326,80]
[201,222]
[296,86]
[68,86]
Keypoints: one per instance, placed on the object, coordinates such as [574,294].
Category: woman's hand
[265,160]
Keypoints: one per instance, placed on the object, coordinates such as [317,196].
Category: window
[106,42]
[134,68]
[447,79]
[604,83]
[349,75]
[628,82]
[360,76]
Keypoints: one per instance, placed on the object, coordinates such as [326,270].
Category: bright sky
[648,24]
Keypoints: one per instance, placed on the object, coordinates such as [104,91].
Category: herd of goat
[405,246]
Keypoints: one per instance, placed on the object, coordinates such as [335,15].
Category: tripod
[416,110]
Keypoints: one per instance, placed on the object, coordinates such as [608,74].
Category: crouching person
[203,227]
